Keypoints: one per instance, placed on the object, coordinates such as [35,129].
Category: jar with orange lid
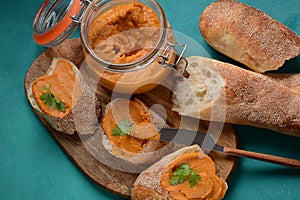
[128,44]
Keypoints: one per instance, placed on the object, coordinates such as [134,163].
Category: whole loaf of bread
[248,35]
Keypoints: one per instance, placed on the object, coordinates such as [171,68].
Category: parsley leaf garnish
[182,173]
[51,100]
[123,128]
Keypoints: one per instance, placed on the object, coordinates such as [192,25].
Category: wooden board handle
[263,157]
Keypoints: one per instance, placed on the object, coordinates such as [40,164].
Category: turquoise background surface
[32,166]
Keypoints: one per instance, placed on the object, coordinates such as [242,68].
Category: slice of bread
[248,35]
[148,184]
[84,111]
[246,97]
[152,149]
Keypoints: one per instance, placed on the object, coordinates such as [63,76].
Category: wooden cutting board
[84,150]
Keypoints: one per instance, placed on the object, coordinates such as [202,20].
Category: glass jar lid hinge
[77,19]
[165,55]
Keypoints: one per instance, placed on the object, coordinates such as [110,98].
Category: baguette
[248,35]
[143,135]
[246,97]
[84,111]
[149,184]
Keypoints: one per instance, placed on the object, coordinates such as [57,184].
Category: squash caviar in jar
[124,42]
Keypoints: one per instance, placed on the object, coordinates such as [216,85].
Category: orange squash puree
[136,82]
[209,187]
[62,82]
[123,34]
[126,46]
[137,114]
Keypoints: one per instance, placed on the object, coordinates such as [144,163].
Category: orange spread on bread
[140,118]
[209,187]
[61,83]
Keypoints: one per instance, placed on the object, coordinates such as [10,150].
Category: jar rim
[136,64]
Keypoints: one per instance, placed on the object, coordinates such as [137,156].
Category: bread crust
[251,99]
[290,80]
[83,117]
[248,35]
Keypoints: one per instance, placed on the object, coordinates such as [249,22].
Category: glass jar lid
[57,20]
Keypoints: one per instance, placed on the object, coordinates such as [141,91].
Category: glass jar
[128,44]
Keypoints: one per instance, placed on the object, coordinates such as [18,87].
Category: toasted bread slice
[141,146]
[82,107]
[153,183]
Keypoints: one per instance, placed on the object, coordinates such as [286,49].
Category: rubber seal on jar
[51,23]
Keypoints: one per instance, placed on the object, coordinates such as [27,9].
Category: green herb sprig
[123,128]
[182,173]
[51,100]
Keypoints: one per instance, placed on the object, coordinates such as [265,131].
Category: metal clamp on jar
[128,44]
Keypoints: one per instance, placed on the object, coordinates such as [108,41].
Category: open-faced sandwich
[130,132]
[185,174]
[64,100]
